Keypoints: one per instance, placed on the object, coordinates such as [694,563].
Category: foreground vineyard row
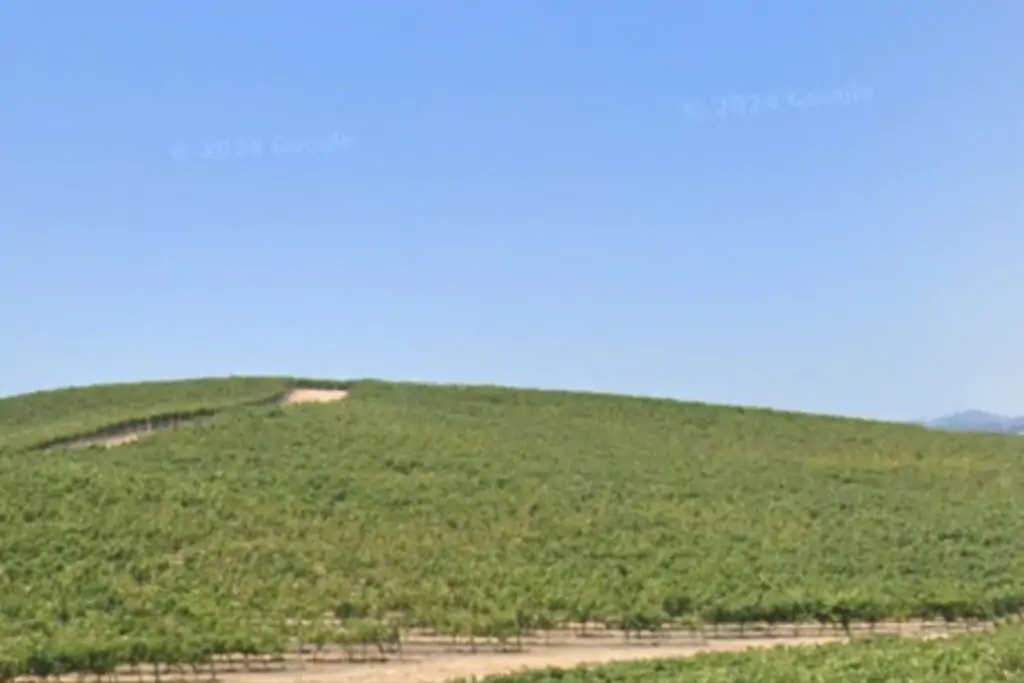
[369,641]
[979,658]
[597,631]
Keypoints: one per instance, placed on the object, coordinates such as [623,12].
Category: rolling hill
[477,512]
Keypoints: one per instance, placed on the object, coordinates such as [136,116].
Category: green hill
[484,510]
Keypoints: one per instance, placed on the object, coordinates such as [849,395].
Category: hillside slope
[487,510]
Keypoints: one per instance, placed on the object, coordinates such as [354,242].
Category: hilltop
[481,511]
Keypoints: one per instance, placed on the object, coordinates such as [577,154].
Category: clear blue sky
[525,197]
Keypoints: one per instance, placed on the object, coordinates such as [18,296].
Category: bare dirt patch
[313,396]
[112,441]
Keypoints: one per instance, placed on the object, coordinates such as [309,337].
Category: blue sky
[520,193]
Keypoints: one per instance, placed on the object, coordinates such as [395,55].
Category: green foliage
[44,416]
[480,511]
[967,659]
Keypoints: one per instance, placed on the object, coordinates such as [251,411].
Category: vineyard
[965,659]
[49,416]
[479,513]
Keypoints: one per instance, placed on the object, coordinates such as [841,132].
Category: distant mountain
[977,421]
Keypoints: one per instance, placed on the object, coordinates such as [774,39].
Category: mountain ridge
[977,421]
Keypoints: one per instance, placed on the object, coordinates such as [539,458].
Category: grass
[484,511]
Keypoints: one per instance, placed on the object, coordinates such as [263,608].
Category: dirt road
[430,659]
[436,668]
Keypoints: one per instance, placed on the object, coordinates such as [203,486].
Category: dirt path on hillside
[438,663]
[426,658]
[429,659]
[438,668]
[443,664]
[130,433]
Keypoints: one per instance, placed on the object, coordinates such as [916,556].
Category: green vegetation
[48,416]
[966,659]
[479,511]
